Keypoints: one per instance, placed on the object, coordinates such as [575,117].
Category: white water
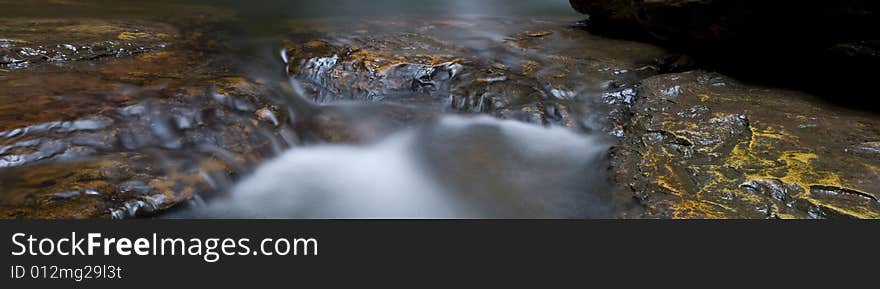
[457,167]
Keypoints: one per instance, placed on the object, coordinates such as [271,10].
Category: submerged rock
[701,145]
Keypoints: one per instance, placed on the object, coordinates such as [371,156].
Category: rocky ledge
[120,118]
[822,46]
[821,22]
[702,145]
[32,41]
[734,144]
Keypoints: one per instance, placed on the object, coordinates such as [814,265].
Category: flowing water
[473,167]
[309,109]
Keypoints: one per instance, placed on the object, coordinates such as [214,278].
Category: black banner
[331,252]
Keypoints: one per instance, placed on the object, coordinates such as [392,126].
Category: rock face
[700,145]
[739,20]
[703,145]
[818,45]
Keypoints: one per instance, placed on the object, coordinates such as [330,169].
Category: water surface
[310,109]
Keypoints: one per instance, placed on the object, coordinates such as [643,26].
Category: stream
[376,109]
[466,109]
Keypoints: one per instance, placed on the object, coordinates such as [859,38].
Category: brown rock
[701,145]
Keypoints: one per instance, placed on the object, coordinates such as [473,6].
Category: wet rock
[697,149]
[535,72]
[103,136]
[357,73]
[96,188]
[131,161]
[33,41]
[775,189]
[165,128]
[868,148]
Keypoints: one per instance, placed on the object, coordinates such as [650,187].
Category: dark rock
[831,22]
[703,145]
[820,46]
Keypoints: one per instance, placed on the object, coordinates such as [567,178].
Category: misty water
[365,109]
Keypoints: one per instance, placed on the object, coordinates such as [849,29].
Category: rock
[701,145]
[532,72]
[98,188]
[122,118]
[139,133]
[619,15]
[142,152]
[32,41]
[869,148]
[736,20]
[760,41]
